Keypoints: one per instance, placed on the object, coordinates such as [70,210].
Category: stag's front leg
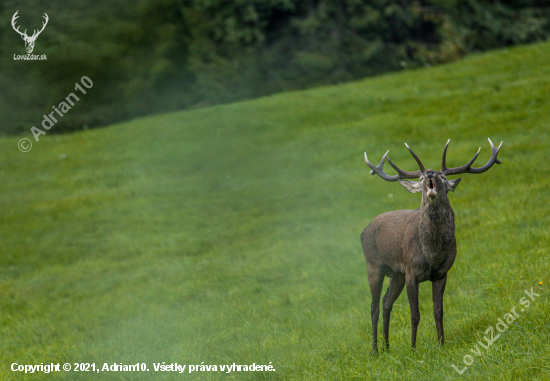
[412,293]
[438,288]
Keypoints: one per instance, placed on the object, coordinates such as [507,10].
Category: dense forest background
[152,56]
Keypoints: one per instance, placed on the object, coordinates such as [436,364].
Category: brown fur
[411,246]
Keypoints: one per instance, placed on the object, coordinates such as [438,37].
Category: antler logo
[29,40]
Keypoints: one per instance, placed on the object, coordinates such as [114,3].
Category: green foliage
[230,234]
[157,56]
[490,24]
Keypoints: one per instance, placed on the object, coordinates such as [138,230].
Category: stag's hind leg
[376,280]
[394,290]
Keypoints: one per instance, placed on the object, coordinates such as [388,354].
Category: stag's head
[29,40]
[434,185]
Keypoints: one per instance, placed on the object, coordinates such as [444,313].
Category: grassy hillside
[231,234]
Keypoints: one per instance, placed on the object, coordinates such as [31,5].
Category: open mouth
[431,188]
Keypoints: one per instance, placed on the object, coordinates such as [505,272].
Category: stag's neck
[436,225]
[438,211]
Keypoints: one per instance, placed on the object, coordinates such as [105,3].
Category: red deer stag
[413,246]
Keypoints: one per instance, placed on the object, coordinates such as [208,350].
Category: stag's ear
[452,184]
[411,186]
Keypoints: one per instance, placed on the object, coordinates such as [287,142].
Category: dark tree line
[153,56]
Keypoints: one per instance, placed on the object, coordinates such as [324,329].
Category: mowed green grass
[231,234]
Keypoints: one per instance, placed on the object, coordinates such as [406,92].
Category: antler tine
[444,168]
[444,157]
[46,19]
[404,174]
[13,19]
[415,158]
[379,169]
[467,167]
[44,23]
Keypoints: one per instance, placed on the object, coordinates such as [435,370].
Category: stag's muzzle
[431,188]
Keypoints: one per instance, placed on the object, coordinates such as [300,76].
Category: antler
[467,167]
[24,34]
[15,17]
[36,33]
[379,169]
[415,157]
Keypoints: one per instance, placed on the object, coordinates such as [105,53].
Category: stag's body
[409,246]
[413,246]
[419,243]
